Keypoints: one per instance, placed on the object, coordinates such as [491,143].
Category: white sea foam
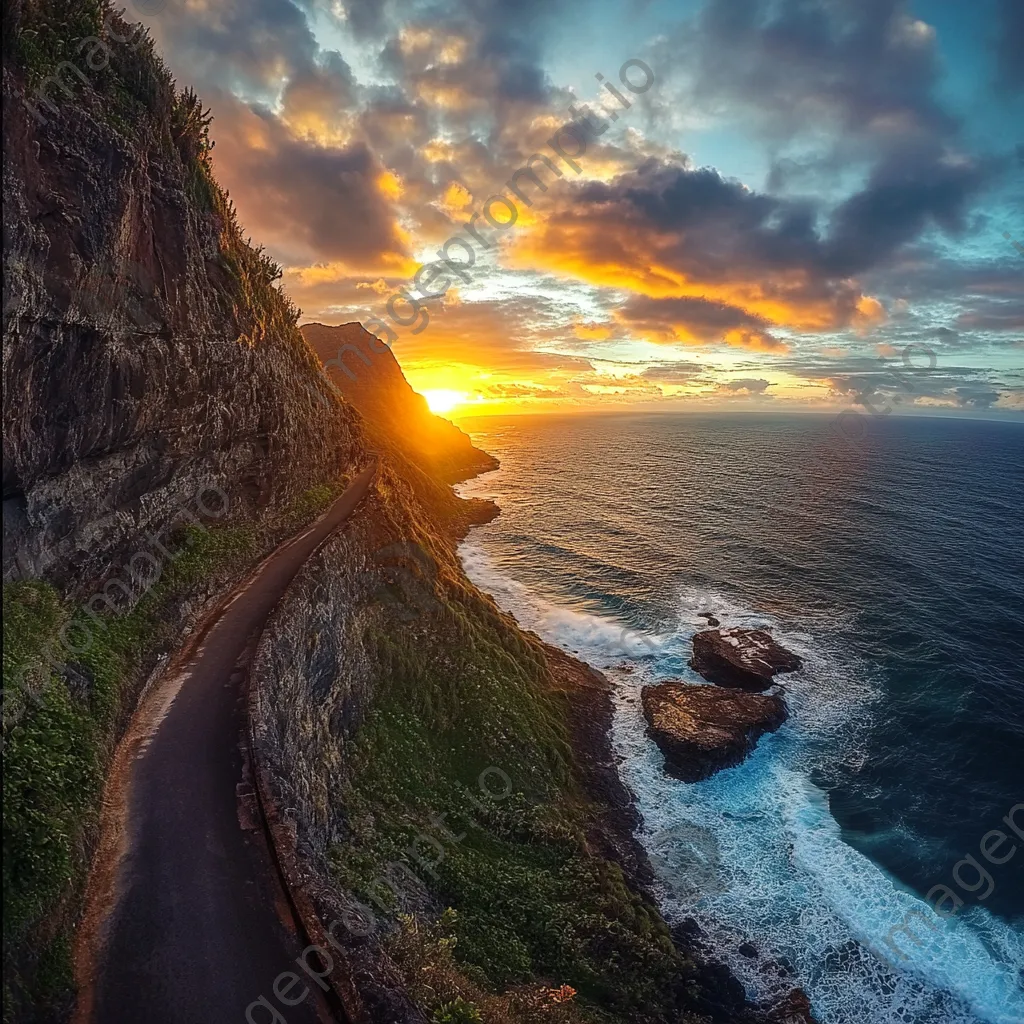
[754,854]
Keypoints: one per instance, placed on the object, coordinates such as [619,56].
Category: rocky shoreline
[589,695]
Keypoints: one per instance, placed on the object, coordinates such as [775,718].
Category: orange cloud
[307,201]
[666,231]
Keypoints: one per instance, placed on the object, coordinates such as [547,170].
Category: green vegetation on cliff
[70,680]
[466,829]
[84,52]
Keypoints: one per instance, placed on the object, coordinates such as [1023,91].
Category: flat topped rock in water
[745,658]
[702,729]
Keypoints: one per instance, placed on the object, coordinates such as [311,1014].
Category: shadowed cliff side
[368,375]
[147,351]
[431,451]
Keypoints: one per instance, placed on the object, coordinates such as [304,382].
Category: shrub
[456,1012]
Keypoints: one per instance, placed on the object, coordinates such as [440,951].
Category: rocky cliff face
[147,354]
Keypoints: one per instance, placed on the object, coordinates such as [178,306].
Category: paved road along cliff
[190,924]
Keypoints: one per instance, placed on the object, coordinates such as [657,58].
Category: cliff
[368,375]
[147,354]
[164,425]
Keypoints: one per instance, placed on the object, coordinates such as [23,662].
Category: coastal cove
[802,865]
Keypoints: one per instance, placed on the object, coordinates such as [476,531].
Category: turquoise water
[894,564]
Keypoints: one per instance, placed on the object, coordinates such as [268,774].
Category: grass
[459,691]
[62,713]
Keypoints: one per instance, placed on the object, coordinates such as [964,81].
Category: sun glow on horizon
[442,400]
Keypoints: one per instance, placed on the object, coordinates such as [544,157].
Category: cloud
[863,72]
[752,386]
[993,316]
[673,373]
[1009,46]
[976,397]
[247,46]
[913,189]
[698,321]
[835,86]
[946,336]
[880,386]
[308,202]
[318,102]
[668,230]
[366,19]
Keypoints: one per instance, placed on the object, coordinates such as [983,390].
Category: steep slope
[147,353]
[368,375]
[455,810]
[164,425]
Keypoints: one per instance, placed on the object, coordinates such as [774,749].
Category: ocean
[892,560]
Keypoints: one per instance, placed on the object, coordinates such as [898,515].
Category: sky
[791,204]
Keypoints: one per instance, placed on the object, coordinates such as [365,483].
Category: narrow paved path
[195,926]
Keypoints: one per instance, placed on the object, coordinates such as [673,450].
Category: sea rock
[744,658]
[702,729]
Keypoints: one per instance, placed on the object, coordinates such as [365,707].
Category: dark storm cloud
[366,19]
[698,319]
[878,383]
[666,226]
[923,270]
[953,388]
[328,87]
[303,182]
[717,225]
[749,385]
[866,67]
[235,44]
[945,336]
[976,398]
[505,37]
[857,79]
[512,31]
[993,317]
[905,194]
[305,200]
[1009,44]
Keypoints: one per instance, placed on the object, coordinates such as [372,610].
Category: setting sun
[442,400]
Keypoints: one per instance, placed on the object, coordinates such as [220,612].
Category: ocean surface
[892,560]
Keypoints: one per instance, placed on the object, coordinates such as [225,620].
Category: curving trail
[187,922]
